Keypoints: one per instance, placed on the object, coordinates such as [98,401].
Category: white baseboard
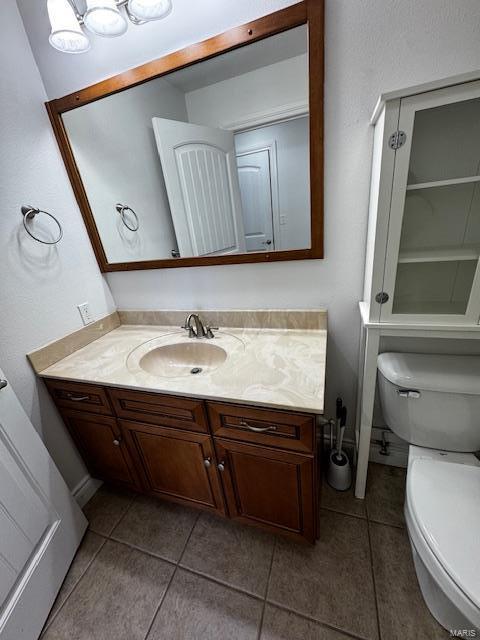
[85,489]
[397,449]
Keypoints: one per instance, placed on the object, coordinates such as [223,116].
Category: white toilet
[433,402]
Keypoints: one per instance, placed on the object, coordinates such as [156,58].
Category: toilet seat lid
[444,498]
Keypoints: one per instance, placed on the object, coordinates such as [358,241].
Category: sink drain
[196,370]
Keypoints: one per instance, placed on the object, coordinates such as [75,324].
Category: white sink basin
[191,358]
[176,355]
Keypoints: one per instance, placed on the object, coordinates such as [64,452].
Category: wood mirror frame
[309,12]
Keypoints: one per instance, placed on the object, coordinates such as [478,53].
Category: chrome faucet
[200,331]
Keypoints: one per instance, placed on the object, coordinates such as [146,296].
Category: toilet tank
[432,400]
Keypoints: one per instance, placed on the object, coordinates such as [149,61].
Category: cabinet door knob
[221,466]
[117,441]
[207,462]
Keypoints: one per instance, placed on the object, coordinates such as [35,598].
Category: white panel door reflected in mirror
[214,158]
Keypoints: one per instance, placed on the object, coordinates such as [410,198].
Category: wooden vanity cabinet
[254,465]
[269,488]
[103,447]
[175,464]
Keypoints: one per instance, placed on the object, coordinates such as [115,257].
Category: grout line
[387,524]
[144,551]
[260,626]
[373,579]
[324,625]
[171,579]
[220,583]
[54,617]
[344,513]
[122,516]
[188,539]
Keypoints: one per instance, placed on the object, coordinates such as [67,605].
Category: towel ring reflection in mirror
[29,213]
[122,208]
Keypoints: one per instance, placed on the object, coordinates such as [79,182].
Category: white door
[41,525]
[201,179]
[432,266]
[256,192]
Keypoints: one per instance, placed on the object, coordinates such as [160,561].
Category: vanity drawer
[79,396]
[281,429]
[163,410]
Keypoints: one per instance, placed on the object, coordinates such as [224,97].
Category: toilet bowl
[442,512]
[442,504]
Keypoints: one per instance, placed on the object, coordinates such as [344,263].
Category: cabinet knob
[207,462]
[221,466]
[117,441]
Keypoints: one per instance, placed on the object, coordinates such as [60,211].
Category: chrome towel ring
[121,208]
[29,213]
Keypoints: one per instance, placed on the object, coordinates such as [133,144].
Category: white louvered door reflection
[40,524]
[201,179]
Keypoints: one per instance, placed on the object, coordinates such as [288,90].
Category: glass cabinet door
[432,269]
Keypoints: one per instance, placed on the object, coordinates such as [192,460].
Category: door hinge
[397,140]
[381,297]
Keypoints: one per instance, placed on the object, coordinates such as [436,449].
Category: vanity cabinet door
[272,489]
[104,451]
[175,464]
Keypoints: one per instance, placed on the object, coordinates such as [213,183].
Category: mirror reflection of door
[189,150]
[256,191]
[202,185]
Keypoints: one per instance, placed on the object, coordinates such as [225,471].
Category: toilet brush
[339,473]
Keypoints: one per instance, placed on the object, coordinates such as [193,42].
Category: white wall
[266,89]
[115,150]
[291,140]
[39,287]
[371,46]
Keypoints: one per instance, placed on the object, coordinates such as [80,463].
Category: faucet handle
[191,332]
[209,332]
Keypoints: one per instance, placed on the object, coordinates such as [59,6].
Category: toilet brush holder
[339,473]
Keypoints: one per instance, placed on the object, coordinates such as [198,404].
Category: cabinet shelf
[442,183]
[447,254]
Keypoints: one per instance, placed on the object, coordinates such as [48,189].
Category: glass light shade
[66,35]
[149,9]
[103,18]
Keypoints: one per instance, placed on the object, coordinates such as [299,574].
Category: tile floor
[149,570]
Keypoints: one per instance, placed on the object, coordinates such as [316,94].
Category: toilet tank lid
[432,372]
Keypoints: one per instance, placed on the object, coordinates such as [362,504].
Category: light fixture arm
[76,11]
[107,18]
[120,3]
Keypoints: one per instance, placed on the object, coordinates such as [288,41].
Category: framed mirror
[209,155]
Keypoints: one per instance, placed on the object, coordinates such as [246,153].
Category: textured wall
[371,46]
[39,287]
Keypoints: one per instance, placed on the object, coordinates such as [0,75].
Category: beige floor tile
[331,581]
[105,509]
[235,554]
[116,599]
[197,609]
[157,526]
[402,611]
[91,545]
[385,494]
[285,625]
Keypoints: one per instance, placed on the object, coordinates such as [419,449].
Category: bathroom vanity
[238,438]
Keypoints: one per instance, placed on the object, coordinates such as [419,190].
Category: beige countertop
[282,368]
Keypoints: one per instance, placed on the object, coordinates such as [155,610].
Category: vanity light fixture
[107,18]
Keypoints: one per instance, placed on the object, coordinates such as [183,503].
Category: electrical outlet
[85,313]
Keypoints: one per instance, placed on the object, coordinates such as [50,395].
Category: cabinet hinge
[397,140]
